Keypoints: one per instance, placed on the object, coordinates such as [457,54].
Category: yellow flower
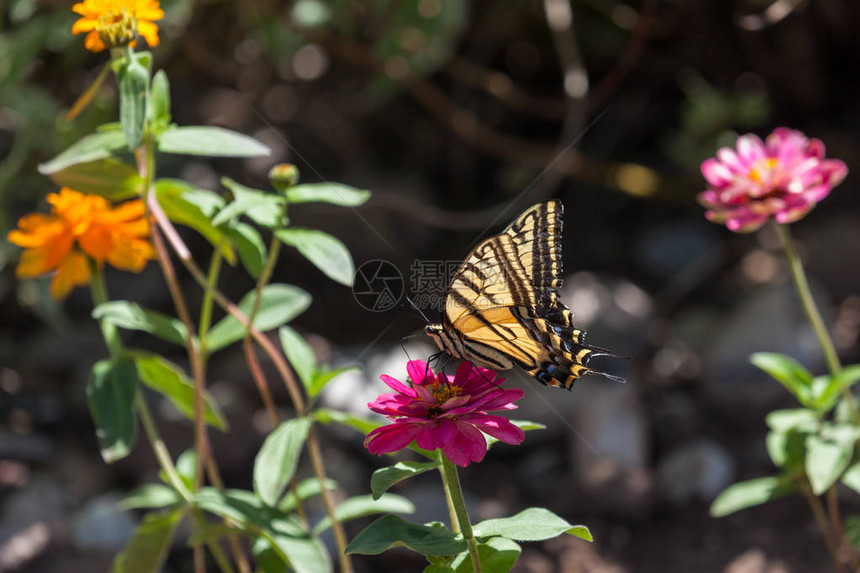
[113,23]
[78,227]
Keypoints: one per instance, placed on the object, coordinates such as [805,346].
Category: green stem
[263,280]
[821,519]
[98,291]
[281,365]
[802,285]
[798,275]
[452,512]
[160,449]
[452,482]
[208,299]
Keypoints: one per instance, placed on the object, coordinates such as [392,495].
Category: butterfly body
[502,307]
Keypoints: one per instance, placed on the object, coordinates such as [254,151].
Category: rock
[754,561]
[43,499]
[101,525]
[612,426]
[27,447]
[700,469]
[25,546]
[351,391]
[771,321]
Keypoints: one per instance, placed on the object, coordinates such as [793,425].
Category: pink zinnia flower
[447,412]
[784,177]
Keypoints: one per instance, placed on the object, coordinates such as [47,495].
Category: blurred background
[458,115]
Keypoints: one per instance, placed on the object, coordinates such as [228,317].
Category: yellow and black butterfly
[502,307]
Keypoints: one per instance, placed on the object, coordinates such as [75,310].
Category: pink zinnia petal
[731,160]
[468,445]
[498,427]
[746,224]
[417,371]
[783,177]
[716,173]
[750,148]
[436,435]
[397,385]
[393,437]
[433,410]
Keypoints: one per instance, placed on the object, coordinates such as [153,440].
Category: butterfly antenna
[403,348]
[421,312]
[612,377]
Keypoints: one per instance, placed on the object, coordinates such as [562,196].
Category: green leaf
[323,376]
[150,496]
[266,558]
[299,353]
[111,393]
[326,253]
[438,568]
[363,425]
[207,201]
[276,462]
[786,449]
[392,531]
[384,478]
[210,141]
[186,467]
[210,533]
[147,550]
[160,103]
[828,455]
[334,193]
[786,370]
[133,79]
[532,524]
[306,488]
[108,177]
[265,209]
[178,200]
[249,245]
[286,536]
[801,419]
[169,379]
[829,392]
[851,525]
[90,148]
[497,555]
[363,505]
[131,316]
[851,477]
[246,508]
[279,304]
[745,494]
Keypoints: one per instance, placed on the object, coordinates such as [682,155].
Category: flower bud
[117,29]
[283,176]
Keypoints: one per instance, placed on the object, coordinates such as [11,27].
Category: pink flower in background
[784,177]
[447,412]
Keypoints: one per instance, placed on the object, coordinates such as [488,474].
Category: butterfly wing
[536,234]
[495,309]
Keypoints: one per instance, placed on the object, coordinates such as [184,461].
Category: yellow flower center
[117,27]
[444,392]
[762,169]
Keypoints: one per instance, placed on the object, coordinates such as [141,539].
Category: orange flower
[78,227]
[113,23]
